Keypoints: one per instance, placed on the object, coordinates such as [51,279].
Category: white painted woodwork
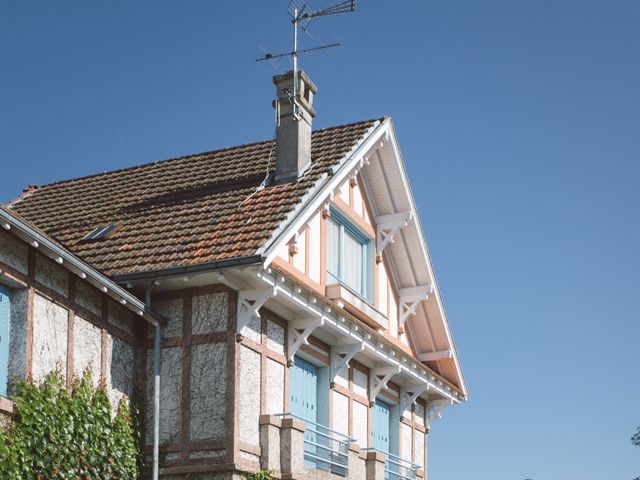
[283,252]
[299,259]
[393,312]
[358,201]
[410,298]
[314,248]
[379,376]
[299,332]
[291,296]
[344,192]
[434,410]
[409,394]
[387,226]
[341,355]
[433,356]
[249,304]
[383,292]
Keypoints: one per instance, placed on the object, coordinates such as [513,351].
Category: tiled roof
[184,211]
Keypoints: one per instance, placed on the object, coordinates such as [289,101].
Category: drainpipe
[156,389]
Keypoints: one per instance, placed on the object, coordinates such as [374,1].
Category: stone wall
[196,384]
[60,322]
[351,404]
[261,379]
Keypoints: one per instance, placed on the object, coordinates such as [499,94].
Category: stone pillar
[375,465]
[420,473]
[357,469]
[6,413]
[270,442]
[292,448]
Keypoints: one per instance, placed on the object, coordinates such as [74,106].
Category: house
[299,323]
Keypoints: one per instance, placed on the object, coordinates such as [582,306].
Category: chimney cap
[288,77]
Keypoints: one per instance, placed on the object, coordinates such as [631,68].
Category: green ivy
[55,434]
[261,475]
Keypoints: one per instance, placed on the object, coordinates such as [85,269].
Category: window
[99,233]
[4,338]
[348,255]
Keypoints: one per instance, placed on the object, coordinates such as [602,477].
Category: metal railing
[324,449]
[397,468]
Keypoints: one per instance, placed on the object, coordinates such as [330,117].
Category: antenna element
[301,16]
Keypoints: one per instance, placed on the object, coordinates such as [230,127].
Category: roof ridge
[172,159]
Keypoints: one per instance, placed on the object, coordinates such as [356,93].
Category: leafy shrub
[60,435]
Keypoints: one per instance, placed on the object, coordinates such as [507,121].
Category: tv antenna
[301,16]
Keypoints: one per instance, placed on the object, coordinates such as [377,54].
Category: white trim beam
[388,226]
[249,304]
[433,356]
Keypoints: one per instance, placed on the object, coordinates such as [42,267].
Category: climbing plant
[261,475]
[57,434]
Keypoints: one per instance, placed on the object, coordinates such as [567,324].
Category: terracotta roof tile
[183,211]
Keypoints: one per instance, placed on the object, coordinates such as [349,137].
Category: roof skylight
[100,233]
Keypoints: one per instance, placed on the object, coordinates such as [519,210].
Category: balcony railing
[324,449]
[397,468]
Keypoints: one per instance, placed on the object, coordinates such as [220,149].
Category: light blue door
[380,426]
[304,403]
[4,338]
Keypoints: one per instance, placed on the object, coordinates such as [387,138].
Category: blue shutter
[380,426]
[4,338]
[304,401]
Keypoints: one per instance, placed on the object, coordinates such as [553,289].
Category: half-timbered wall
[197,381]
[305,256]
[61,323]
[262,383]
[261,379]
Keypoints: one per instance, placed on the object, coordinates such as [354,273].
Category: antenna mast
[301,16]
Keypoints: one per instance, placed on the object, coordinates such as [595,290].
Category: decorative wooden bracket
[410,298]
[388,226]
[249,304]
[409,394]
[299,331]
[341,355]
[434,410]
[326,210]
[378,379]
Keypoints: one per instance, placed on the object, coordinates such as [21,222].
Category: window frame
[347,226]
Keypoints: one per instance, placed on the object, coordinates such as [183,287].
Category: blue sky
[519,123]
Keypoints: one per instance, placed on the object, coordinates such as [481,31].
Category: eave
[60,255]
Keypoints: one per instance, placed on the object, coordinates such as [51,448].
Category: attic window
[100,233]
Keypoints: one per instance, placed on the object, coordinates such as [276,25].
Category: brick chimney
[293,133]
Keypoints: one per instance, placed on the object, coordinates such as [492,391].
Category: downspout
[156,389]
